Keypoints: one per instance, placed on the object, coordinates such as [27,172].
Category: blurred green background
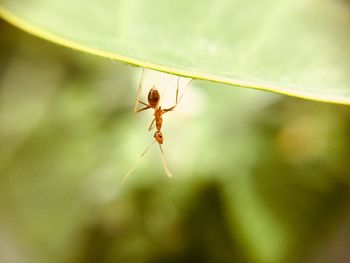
[258,177]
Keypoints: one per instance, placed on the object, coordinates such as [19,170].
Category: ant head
[153,97]
[159,137]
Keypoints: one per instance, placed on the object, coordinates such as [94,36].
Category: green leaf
[293,47]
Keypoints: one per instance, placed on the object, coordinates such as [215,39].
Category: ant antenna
[136,163]
[164,162]
[165,165]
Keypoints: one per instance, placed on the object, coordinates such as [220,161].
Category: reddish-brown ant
[153,103]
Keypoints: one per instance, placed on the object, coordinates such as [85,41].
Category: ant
[153,103]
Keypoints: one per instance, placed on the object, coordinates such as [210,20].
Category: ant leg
[177,91]
[144,103]
[139,90]
[152,124]
[177,96]
[169,109]
[184,90]
[145,108]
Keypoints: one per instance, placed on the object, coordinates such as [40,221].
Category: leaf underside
[297,48]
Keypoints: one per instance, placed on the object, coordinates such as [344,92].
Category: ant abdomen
[153,97]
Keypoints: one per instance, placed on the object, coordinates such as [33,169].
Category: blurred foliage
[257,177]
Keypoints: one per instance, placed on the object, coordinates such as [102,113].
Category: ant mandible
[153,103]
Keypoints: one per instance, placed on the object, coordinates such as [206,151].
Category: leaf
[293,47]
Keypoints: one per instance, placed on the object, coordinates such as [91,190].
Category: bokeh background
[258,177]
